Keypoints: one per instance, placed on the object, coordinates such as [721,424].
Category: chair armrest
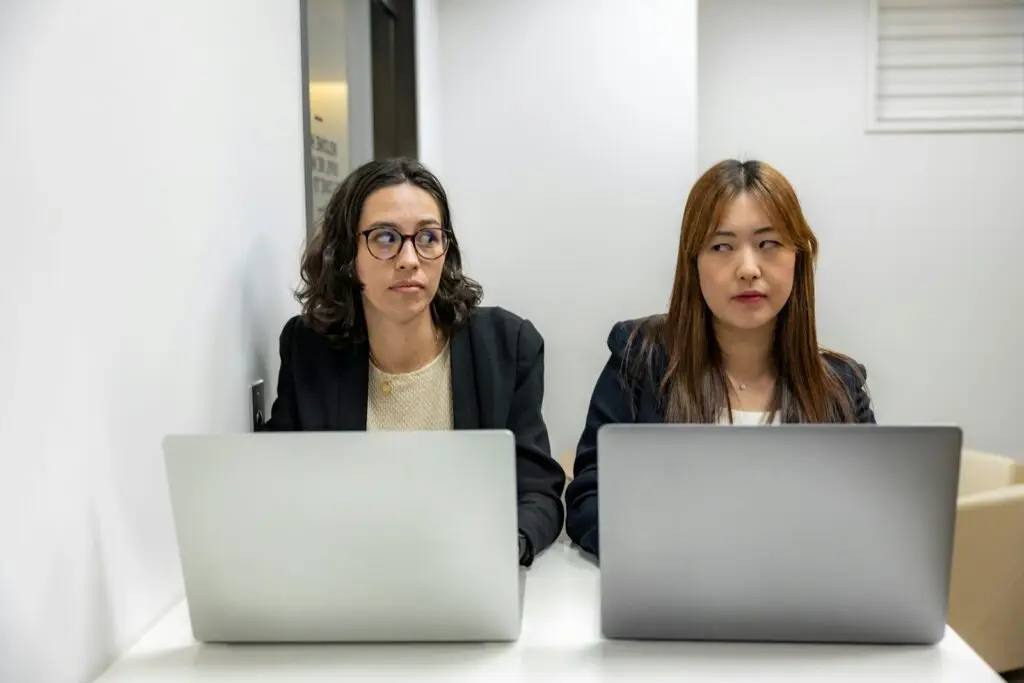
[1007,495]
[987,583]
[984,472]
[566,460]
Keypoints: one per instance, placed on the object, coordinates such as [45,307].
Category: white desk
[560,642]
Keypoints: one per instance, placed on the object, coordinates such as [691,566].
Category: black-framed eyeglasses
[387,243]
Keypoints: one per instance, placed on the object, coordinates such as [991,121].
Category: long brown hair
[682,344]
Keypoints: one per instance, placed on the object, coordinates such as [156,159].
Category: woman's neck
[397,347]
[747,354]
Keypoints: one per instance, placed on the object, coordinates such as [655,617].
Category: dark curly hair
[331,293]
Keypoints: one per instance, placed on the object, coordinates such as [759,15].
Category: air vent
[946,65]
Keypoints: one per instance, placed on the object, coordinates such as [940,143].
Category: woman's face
[745,269]
[401,252]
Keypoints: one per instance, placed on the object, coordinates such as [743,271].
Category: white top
[560,642]
[420,400]
[749,417]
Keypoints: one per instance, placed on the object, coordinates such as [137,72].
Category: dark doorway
[393,49]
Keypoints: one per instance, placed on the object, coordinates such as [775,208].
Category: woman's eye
[770,244]
[385,237]
[720,247]
[427,236]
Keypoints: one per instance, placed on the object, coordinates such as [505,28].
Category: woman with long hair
[392,337]
[738,344]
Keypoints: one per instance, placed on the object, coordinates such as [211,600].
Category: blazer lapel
[352,374]
[465,409]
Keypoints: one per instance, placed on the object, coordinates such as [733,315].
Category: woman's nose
[748,268]
[407,256]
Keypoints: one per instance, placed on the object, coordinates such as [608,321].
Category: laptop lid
[798,533]
[348,536]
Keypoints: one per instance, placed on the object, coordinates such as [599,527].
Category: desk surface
[560,642]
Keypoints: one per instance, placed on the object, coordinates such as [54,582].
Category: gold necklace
[385,383]
[738,386]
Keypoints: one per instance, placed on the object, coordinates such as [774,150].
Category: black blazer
[497,371]
[612,404]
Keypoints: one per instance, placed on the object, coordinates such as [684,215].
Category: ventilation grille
[946,65]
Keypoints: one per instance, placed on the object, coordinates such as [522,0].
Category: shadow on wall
[23,651]
[238,349]
[97,619]
[257,322]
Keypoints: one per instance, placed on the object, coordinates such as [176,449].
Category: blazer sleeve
[854,377]
[612,402]
[863,410]
[540,479]
[284,413]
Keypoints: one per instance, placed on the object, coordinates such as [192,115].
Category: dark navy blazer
[612,403]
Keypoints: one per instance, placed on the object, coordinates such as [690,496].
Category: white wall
[921,234]
[568,142]
[151,216]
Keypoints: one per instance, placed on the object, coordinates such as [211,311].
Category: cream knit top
[411,401]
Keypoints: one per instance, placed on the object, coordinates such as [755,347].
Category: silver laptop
[348,536]
[795,533]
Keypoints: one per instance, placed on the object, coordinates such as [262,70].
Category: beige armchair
[986,601]
[566,459]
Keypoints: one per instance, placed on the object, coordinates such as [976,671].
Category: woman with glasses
[738,344]
[392,337]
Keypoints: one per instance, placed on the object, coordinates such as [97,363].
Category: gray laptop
[794,533]
[348,536]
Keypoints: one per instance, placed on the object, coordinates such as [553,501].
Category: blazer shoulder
[297,335]
[295,329]
[495,317]
[853,374]
[287,336]
[502,324]
[626,337]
